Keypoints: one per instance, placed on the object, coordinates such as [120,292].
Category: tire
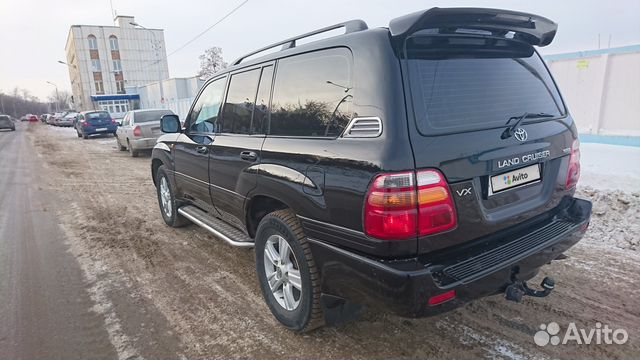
[133,153]
[120,147]
[305,312]
[168,208]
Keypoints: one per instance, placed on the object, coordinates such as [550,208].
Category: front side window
[113,43]
[468,84]
[236,116]
[312,94]
[93,42]
[204,114]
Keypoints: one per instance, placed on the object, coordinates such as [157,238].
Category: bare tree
[61,97]
[211,62]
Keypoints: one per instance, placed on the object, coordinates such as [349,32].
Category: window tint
[312,94]
[205,111]
[236,118]
[261,109]
[151,115]
[475,90]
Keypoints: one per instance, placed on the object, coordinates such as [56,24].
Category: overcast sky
[33,32]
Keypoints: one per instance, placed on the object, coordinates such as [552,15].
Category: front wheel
[287,273]
[167,200]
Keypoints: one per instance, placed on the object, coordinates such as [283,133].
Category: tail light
[435,203]
[113,122]
[85,123]
[573,173]
[408,204]
[137,131]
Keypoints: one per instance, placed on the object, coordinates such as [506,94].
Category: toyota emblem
[520,134]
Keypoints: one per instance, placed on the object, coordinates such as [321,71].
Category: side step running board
[217,227]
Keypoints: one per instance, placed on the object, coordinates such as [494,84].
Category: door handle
[202,149]
[248,155]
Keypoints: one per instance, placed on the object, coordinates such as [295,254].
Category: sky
[33,33]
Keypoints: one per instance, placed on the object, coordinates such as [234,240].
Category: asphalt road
[45,309]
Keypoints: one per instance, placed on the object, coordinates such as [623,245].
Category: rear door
[464,89]
[235,153]
[191,151]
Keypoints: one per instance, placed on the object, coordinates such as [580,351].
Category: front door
[191,151]
[235,154]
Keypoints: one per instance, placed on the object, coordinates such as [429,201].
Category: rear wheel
[287,273]
[167,200]
[120,147]
[132,152]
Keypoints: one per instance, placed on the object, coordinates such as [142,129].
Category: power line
[209,28]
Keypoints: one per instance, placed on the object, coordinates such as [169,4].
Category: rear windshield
[99,115]
[4,118]
[462,88]
[152,115]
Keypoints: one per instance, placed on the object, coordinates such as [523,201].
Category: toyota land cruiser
[411,168]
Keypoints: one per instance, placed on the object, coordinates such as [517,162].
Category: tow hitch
[518,289]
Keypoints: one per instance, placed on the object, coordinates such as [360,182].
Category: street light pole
[57,96]
[72,87]
[156,47]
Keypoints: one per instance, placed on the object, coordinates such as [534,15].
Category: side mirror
[170,124]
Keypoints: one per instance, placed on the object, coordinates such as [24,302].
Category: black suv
[411,168]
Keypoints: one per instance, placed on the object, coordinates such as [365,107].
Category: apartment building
[103,60]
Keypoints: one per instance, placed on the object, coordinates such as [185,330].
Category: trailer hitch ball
[518,289]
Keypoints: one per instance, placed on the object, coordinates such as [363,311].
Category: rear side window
[205,111]
[153,115]
[312,94]
[236,116]
[470,90]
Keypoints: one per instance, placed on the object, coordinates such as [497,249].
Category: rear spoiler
[533,29]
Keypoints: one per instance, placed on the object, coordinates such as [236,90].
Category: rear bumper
[143,144]
[481,268]
[104,129]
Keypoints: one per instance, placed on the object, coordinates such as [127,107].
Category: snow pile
[615,219]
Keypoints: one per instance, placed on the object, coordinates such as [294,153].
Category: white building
[178,94]
[602,91]
[103,60]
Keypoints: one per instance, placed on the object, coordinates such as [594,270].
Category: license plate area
[514,178]
[101,129]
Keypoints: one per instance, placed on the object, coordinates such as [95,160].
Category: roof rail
[349,26]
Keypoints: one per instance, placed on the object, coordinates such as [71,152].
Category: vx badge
[463,192]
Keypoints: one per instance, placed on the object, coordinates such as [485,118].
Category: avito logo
[510,179]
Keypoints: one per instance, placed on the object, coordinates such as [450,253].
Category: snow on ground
[610,167]
[610,179]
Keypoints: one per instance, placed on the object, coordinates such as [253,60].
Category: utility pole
[156,46]
[57,96]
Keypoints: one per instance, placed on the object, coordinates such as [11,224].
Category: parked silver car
[67,120]
[140,129]
[7,123]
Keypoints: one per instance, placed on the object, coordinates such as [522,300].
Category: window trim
[259,67]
